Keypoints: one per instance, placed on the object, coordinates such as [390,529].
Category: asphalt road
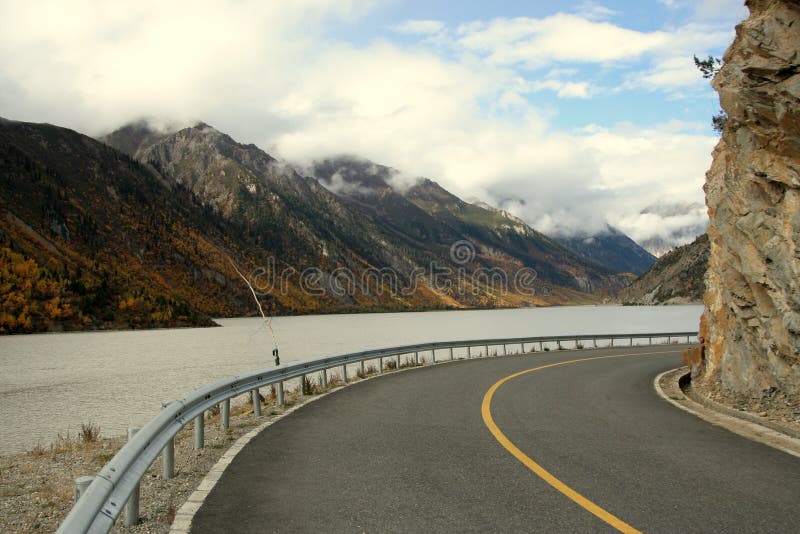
[410,452]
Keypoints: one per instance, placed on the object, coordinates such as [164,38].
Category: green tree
[709,67]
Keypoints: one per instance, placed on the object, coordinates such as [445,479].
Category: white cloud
[338,185]
[613,173]
[420,27]
[94,64]
[268,73]
[717,10]
[564,89]
[561,72]
[662,58]
[593,11]
[658,162]
[560,37]
[423,116]
[677,228]
[670,73]
[672,69]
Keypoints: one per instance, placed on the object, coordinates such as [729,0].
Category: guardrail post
[612,341]
[416,358]
[168,460]
[225,420]
[81,485]
[469,352]
[631,342]
[302,385]
[650,340]
[325,378]
[380,364]
[669,340]
[168,454]
[363,371]
[687,339]
[132,506]
[280,394]
[541,347]
[505,351]
[522,348]
[486,354]
[433,355]
[558,342]
[256,402]
[398,362]
[344,373]
[199,431]
[451,353]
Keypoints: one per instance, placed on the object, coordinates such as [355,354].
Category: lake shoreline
[316,313]
[120,378]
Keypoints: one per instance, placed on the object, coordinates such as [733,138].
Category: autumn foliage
[31,295]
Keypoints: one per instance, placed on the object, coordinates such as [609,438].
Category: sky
[570,115]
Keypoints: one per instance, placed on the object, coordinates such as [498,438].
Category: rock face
[751,326]
[676,278]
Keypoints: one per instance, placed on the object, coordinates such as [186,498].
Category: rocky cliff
[676,278]
[751,325]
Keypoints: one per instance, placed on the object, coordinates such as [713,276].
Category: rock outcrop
[751,327]
[676,278]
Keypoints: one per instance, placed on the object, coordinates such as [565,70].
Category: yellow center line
[544,474]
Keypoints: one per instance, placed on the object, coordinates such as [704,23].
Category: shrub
[308,387]
[90,433]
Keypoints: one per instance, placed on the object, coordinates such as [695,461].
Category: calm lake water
[51,383]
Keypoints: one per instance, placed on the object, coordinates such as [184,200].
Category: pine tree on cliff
[710,67]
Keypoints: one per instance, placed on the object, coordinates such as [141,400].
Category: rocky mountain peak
[352,176]
[611,248]
[135,136]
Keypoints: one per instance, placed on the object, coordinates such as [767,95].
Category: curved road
[412,452]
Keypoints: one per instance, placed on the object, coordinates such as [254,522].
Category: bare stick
[267,320]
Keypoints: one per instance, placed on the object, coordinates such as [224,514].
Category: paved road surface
[410,452]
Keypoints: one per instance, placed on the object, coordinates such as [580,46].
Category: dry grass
[368,370]
[334,380]
[409,362]
[37,487]
[90,433]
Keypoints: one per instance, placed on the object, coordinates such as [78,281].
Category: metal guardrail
[102,502]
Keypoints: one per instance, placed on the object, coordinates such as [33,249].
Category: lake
[51,383]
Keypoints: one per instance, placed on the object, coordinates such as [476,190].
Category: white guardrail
[100,502]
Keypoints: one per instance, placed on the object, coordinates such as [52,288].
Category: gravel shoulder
[772,408]
[37,486]
[673,388]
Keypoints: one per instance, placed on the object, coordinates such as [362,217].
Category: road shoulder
[668,388]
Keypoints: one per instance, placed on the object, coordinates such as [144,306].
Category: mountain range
[145,228]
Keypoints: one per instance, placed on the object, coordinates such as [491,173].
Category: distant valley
[143,229]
